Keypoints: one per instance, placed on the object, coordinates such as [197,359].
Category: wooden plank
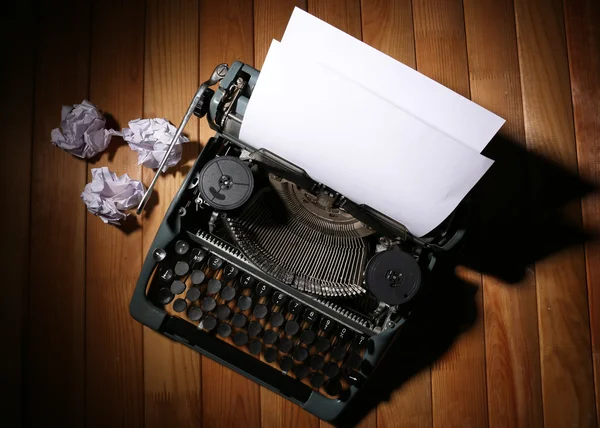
[171,371]
[114,373]
[458,383]
[511,335]
[567,375]
[388,26]
[270,20]
[16,119]
[583,42]
[55,358]
[226,35]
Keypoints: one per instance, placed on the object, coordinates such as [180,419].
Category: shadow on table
[516,217]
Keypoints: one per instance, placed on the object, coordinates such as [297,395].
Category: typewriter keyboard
[217,297]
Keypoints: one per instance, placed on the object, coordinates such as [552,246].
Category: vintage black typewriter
[275,275]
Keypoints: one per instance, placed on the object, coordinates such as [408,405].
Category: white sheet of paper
[454,115]
[357,143]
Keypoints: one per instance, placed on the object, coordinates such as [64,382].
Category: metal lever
[217,75]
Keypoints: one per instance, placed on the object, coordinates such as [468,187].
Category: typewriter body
[275,275]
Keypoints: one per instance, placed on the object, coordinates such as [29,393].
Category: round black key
[230,272]
[294,307]
[255,347]
[333,387]
[223,312]
[166,275]
[198,255]
[215,262]
[214,286]
[181,268]
[262,289]
[165,296]
[247,281]
[285,345]
[239,320]
[270,355]
[278,298]
[286,363]
[260,311]
[331,369]
[224,330]
[354,361]
[181,247]
[301,371]
[254,329]
[177,287]
[197,277]
[300,353]
[359,342]
[193,294]
[208,304]
[316,379]
[209,323]
[339,352]
[270,337]
[195,313]
[244,303]
[317,362]
[344,333]
[228,293]
[291,327]
[277,319]
[310,315]
[355,378]
[322,344]
[308,337]
[326,325]
[240,338]
[179,305]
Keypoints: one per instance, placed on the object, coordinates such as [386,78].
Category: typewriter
[273,274]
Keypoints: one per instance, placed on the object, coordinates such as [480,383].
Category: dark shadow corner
[516,216]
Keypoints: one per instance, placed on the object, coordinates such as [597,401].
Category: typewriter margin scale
[224,108]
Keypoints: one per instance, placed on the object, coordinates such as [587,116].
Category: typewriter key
[197,277]
[317,379]
[339,352]
[301,371]
[322,344]
[224,330]
[254,329]
[355,378]
[195,313]
[359,342]
[270,337]
[165,296]
[179,305]
[285,345]
[214,286]
[393,276]
[262,289]
[247,281]
[310,315]
[166,275]
[333,386]
[181,268]
[209,323]
[255,347]
[228,293]
[308,337]
[278,298]
[294,307]
[270,355]
[226,182]
[344,333]
[260,311]
[317,362]
[240,338]
[286,363]
[208,304]
[181,247]
[326,325]
[291,327]
[177,287]
[331,369]
[353,362]
[223,312]
[300,353]
[244,303]
[193,294]
[277,319]
[239,320]
[215,262]
[198,255]
[230,272]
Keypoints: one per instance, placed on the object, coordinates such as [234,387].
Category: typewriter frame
[144,311]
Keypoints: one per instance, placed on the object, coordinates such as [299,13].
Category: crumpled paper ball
[151,139]
[107,196]
[83,130]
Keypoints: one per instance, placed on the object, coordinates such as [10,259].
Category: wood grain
[226,35]
[55,358]
[583,42]
[114,374]
[567,377]
[388,26]
[16,119]
[271,17]
[511,335]
[171,370]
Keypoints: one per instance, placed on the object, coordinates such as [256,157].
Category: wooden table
[73,355]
